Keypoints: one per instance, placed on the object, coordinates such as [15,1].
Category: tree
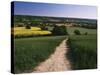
[44,28]
[59,30]
[28,27]
[77,32]
[85,33]
[20,25]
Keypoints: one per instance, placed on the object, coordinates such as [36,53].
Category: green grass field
[29,52]
[82,30]
[83,48]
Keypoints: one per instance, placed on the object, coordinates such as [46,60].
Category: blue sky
[56,10]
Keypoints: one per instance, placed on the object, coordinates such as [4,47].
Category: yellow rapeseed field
[27,32]
[23,28]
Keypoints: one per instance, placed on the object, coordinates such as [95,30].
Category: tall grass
[29,52]
[83,51]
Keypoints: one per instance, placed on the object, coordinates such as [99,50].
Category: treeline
[86,25]
[22,20]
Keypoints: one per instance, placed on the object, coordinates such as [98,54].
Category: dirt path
[57,61]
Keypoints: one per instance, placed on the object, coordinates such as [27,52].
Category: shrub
[28,27]
[85,33]
[20,25]
[77,32]
[44,28]
[59,30]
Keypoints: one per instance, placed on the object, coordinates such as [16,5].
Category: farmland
[44,34]
[82,30]
[33,31]
[83,49]
[29,52]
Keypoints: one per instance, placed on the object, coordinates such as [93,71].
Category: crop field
[34,31]
[29,52]
[83,51]
[82,30]
[23,28]
[83,48]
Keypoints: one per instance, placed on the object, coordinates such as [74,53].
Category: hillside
[39,20]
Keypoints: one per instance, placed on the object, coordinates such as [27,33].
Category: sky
[55,10]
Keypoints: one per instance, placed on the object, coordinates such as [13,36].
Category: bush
[77,32]
[44,28]
[59,30]
[28,27]
[20,25]
[85,33]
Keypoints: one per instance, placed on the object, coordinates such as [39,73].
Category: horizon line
[56,16]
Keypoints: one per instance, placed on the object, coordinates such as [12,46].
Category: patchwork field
[52,37]
[29,52]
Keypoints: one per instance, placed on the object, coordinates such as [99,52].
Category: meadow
[29,52]
[82,30]
[83,49]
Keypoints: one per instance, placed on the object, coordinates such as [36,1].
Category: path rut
[57,61]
